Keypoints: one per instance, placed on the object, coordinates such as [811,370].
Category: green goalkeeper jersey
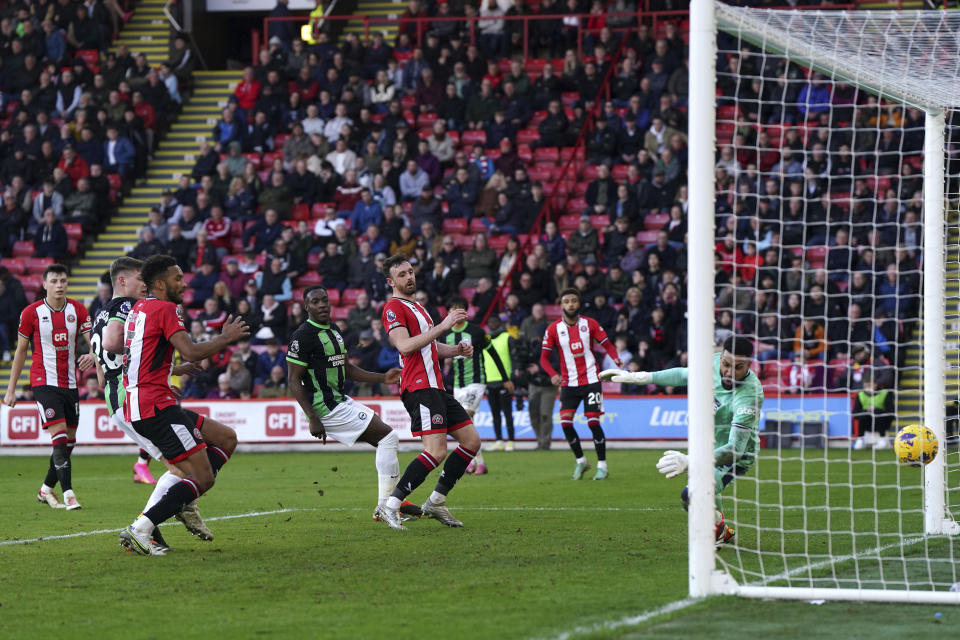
[736,413]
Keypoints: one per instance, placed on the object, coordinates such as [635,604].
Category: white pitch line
[677,605]
[79,534]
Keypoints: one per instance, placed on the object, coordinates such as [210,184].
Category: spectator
[361,314]
[240,379]
[585,240]
[480,261]
[366,211]
[223,391]
[275,386]
[809,340]
[277,196]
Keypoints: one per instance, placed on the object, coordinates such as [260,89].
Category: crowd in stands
[76,123]
[461,155]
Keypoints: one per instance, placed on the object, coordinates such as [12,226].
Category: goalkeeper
[737,399]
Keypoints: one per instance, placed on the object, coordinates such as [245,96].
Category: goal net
[833,152]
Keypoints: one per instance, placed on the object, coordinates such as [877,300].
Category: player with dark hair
[469,376]
[434,413]
[107,343]
[318,367]
[737,400]
[58,327]
[154,329]
[573,336]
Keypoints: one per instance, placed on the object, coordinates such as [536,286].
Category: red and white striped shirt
[148,357]
[54,336]
[578,365]
[419,370]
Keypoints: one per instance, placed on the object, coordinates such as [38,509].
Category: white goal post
[911,58]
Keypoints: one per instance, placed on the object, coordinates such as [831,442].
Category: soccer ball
[915,445]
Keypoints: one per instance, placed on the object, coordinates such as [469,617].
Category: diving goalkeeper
[737,399]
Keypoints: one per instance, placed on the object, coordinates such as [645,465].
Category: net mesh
[819,205]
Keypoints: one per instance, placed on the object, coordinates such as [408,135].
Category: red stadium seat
[37,265]
[526,136]
[544,155]
[270,156]
[426,119]
[454,225]
[472,137]
[188,277]
[339,313]
[576,205]
[655,221]
[334,296]
[74,230]
[23,248]
[568,222]
[309,278]
[816,256]
[543,174]
[349,296]
[91,57]
[600,222]
[313,260]
[590,172]
[498,243]
[524,153]
[300,211]
[253,158]
[188,299]
[552,311]
[14,265]
[477,226]
[468,292]
[646,237]
[32,282]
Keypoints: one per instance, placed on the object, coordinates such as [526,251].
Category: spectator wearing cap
[585,240]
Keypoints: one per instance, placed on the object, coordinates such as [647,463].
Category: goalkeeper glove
[617,375]
[672,464]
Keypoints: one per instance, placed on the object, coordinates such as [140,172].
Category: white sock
[45,489]
[68,493]
[479,457]
[582,460]
[393,503]
[438,498]
[164,483]
[601,464]
[388,466]
[143,525]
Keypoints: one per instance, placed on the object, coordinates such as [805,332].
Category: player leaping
[154,330]
[55,325]
[317,358]
[107,344]
[572,336]
[737,399]
[434,413]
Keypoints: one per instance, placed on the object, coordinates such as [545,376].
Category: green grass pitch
[540,556]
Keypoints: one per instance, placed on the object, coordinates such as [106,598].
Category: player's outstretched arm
[233,329]
[676,377]
[15,369]
[295,373]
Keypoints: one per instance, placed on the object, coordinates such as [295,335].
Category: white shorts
[470,396]
[142,442]
[348,421]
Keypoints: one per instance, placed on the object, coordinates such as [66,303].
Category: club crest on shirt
[294,347]
[391,316]
[179,313]
[71,318]
[339,338]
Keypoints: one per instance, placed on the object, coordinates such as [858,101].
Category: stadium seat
[472,137]
[14,265]
[568,222]
[319,209]
[655,221]
[23,248]
[646,237]
[313,260]
[546,155]
[526,136]
[816,256]
[426,119]
[464,241]
[590,172]
[90,57]
[543,174]
[454,225]
[188,277]
[552,311]
[468,292]
[37,265]
[300,211]
[498,243]
[569,98]
[524,153]
[309,278]
[477,226]
[31,282]
[600,222]
[339,313]
[349,296]
[576,205]
[334,296]
[270,156]
[253,158]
